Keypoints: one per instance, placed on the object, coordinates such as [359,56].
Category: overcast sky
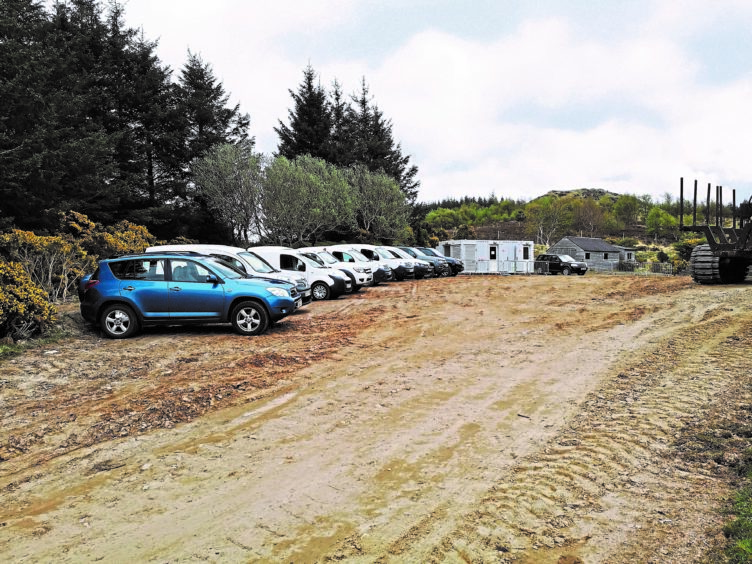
[493,96]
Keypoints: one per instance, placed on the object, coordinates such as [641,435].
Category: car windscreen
[383,253]
[315,258]
[566,258]
[310,262]
[327,257]
[257,263]
[224,269]
[427,251]
[358,255]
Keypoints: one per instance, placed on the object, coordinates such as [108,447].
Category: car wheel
[539,270]
[418,276]
[356,288]
[565,271]
[118,321]
[249,318]
[320,291]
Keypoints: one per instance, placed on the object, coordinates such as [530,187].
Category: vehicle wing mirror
[301,267]
[213,279]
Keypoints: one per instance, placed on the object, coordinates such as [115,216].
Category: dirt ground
[470,419]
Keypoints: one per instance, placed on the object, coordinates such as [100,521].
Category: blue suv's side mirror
[213,279]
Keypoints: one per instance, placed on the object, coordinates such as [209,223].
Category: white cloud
[544,105]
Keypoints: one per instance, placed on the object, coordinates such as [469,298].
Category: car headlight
[359,269]
[279,292]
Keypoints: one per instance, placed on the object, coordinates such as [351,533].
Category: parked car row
[248,288]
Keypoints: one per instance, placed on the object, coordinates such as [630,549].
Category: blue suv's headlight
[279,292]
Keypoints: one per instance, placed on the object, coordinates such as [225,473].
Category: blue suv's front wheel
[118,321]
[249,318]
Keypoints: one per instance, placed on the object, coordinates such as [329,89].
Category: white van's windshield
[384,254]
[310,262]
[358,255]
[257,263]
[327,257]
[315,257]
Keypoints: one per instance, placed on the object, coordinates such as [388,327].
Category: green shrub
[24,308]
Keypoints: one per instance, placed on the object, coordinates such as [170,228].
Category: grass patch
[8,350]
[739,531]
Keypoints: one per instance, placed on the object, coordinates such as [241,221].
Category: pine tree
[374,145]
[340,149]
[202,101]
[310,129]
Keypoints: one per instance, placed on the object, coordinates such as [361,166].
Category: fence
[638,268]
[641,268]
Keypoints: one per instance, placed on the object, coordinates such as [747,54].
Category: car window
[358,256]
[315,258]
[347,258]
[139,269]
[310,262]
[188,271]
[232,260]
[257,263]
[327,257]
[226,269]
[383,253]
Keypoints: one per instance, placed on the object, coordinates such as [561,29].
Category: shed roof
[593,244]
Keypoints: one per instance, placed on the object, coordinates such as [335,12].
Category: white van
[402,268]
[247,261]
[346,252]
[360,274]
[326,283]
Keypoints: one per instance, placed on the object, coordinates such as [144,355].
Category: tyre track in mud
[593,483]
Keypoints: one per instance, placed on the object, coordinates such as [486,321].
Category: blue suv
[129,292]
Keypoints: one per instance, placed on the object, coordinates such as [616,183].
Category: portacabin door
[493,258]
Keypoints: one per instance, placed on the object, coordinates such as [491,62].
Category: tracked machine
[727,256]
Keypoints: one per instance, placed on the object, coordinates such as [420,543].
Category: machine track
[708,268]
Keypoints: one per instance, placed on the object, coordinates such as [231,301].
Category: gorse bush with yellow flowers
[24,308]
[54,263]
